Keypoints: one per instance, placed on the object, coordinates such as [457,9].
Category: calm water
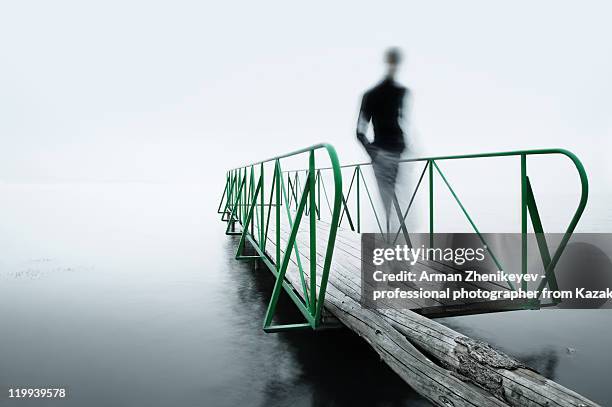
[129,295]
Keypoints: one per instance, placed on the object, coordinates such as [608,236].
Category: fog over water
[129,295]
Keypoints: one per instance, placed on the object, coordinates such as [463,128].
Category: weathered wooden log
[446,367]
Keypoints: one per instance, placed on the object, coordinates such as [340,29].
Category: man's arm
[404,116]
[363,121]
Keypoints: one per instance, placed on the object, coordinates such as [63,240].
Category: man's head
[393,57]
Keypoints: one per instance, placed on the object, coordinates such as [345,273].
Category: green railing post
[313,233]
[262,209]
[248,195]
[431,204]
[278,206]
[265,237]
[524,219]
[358,169]
[331,241]
[319,194]
[536,222]
[235,194]
[291,190]
[239,200]
[244,198]
[296,189]
[236,186]
[239,195]
[251,191]
[231,191]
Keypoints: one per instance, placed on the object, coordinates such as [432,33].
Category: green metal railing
[244,204]
[294,194]
[528,205]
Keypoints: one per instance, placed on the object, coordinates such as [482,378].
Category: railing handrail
[540,151]
[584,182]
[330,149]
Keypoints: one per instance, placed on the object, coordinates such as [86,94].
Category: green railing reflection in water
[243,197]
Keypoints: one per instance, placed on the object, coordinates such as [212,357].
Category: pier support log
[446,367]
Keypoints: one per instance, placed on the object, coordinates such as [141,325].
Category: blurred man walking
[384,106]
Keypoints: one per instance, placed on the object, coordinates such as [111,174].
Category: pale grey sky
[142,90]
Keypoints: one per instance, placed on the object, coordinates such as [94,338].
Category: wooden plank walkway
[345,272]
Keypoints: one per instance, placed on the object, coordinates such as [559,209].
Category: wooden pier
[318,264]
